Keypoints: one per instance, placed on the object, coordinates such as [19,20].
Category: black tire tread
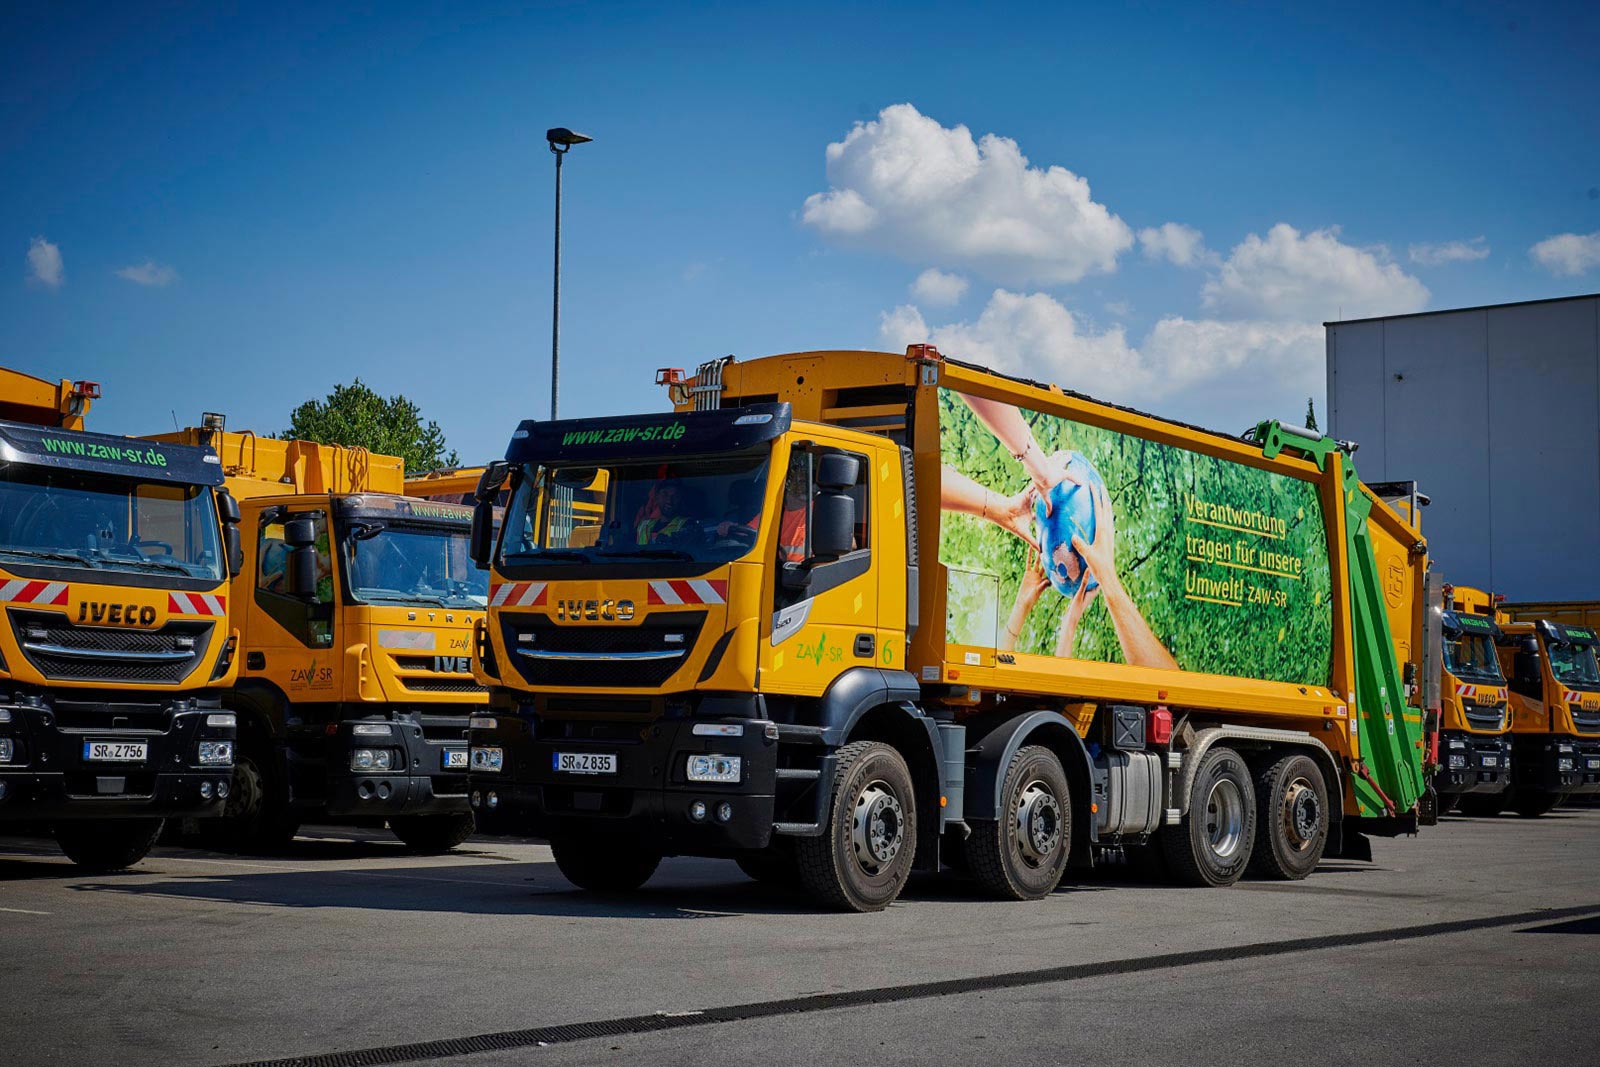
[604,864]
[985,849]
[814,861]
[104,845]
[1263,860]
[432,835]
[1482,805]
[1182,864]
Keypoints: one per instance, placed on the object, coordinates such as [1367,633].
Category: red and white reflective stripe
[1571,696]
[688,591]
[1467,692]
[197,604]
[21,591]
[517,594]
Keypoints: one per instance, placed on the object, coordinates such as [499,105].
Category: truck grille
[592,657]
[1485,718]
[435,680]
[61,651]
[1587,721]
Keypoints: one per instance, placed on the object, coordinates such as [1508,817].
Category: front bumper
[1483,764]
[417,781]
[649,795]
[1558,763]
[49,776]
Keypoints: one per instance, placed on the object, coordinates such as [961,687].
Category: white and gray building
[1495,413]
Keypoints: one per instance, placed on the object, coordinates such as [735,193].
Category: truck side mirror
[300,572]
[490,481]
[228,511]
[837,471]
[480,543]
[833,524]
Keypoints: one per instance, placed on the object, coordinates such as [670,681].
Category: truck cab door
[291,640]
[823,616]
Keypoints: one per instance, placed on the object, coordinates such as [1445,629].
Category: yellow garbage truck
[1555,707]
[356,607]
[1476,760]
[842,615]
[116,641]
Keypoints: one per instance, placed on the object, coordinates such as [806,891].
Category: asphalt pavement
[1478,941]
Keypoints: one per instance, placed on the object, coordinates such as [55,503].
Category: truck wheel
[863,857]
[1211,845]
[1023,855]
[1291,819]
[1531,805]
[108,844]
[773,865]
[605,864]
[255,817]
[433,834]
[1482,805]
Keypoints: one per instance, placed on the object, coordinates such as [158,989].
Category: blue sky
[206,210]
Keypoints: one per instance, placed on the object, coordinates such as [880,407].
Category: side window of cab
[801,575]
[308,619]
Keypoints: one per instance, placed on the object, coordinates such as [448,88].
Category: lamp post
[561,141]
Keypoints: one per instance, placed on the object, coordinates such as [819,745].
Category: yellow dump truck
[1555,706]
[1476,760]
[356,607]
[841,615]
[115,556]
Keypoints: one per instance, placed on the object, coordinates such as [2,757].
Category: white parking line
[24,911]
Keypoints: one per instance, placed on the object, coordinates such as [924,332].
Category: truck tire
[863,857]
[1291,819]
[1023,855]
[1211,846]
[1531,805]
[430,835]
[773,865]
[108,844]
[1482,805]
[605,864]
[256,816]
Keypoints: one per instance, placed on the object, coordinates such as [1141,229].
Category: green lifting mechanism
[1388,778]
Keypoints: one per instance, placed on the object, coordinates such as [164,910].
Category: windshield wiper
[159,564]
[402,598]
[541,554]
[65,557]
[644,552]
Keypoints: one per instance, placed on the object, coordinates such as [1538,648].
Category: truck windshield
[1574,665]
[70,520]
[705,510]
[412,563]
[1472,656]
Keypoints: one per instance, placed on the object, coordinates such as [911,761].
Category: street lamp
[561,141]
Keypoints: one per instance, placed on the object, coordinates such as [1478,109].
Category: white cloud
[938,288]
[149,273]
[1437,255]
[1176,243]
[1310,277]
[1568,253]
[904,184]
[1227,375]
[44,263]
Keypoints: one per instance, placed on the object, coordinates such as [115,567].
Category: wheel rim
[1302,815]
[1036,824]
[245,796]
[878,829]
[1225,818]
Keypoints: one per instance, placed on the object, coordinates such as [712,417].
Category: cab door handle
[864,646]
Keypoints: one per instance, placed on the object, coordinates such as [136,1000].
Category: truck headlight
[371,759]
[7,749]
[714,768]
[372,729]
[1564,764]
[216,752]
[5,714]
[488,759]
[1457,762]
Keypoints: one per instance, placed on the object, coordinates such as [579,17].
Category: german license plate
[455,759]
[1491,761]
[584,762]
[1593,764]
[116,751]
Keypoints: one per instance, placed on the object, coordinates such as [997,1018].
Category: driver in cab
[665,517]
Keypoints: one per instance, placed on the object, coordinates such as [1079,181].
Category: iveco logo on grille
[452,664]
[593,610]
[92,611]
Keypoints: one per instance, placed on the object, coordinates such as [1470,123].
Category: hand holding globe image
[1066,511]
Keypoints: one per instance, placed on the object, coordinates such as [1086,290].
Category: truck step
[812,735]
[798,829]
[798,774]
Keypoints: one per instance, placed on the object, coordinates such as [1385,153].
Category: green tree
[355,415]
[1311,415]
